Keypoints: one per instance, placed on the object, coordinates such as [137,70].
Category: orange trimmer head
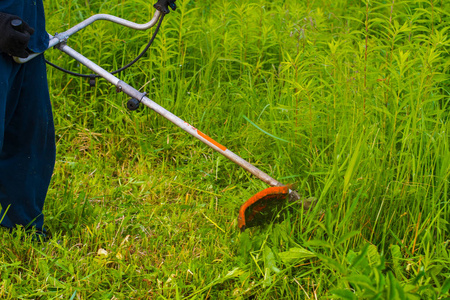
[262,206]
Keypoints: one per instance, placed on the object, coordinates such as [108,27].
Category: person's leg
[27,142]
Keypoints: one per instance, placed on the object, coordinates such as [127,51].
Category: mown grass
[347,99]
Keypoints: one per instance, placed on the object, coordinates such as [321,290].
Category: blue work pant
[27,141]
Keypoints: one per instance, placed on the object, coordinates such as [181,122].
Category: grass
[347,99]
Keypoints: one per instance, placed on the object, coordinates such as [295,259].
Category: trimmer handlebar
[62,37]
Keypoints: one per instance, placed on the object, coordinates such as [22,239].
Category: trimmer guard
[262,206]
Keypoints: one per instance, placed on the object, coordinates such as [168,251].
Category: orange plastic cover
[258,203]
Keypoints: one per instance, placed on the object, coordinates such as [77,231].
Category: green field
[349,100]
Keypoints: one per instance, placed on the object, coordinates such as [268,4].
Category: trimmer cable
[93,76]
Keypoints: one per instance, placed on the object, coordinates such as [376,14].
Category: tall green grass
[347,99]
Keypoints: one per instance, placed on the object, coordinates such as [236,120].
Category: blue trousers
[27,142]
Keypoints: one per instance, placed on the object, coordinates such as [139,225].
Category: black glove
[14,40]
[163,5]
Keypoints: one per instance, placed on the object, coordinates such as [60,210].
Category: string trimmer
[255,210]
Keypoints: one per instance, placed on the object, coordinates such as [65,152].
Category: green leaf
[420,275]
[263,131]
[361,257]
[445,287]
[332,263]
[267,278]
[353,164]
[295,254]
[344,294]
[361,280]
[349,213]
[396,257]
[347,236]
[269,259]
[395,291]
[319,243]
[351,256]
[245,245]
[329,222]
[73,295]
[373,255]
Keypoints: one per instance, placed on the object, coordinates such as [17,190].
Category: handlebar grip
[17,24]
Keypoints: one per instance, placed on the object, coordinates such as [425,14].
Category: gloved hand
[163,5]
[14,41]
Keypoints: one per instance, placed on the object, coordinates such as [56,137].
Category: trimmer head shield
[262,206]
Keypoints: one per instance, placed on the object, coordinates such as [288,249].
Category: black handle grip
[17,24]
[163,5]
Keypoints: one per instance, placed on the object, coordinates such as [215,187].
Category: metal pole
[129,90]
